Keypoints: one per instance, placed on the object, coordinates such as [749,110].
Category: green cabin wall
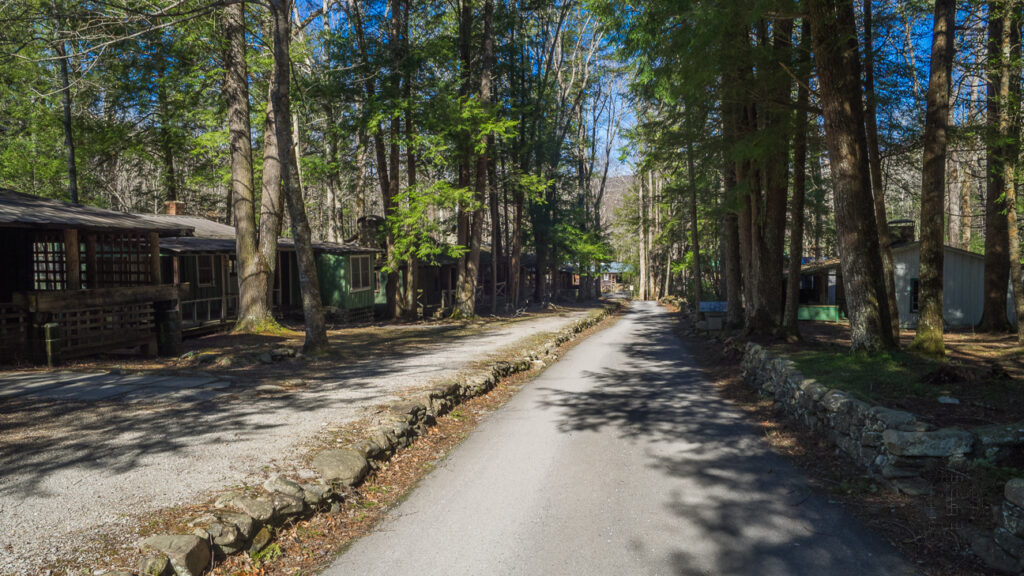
[334,274]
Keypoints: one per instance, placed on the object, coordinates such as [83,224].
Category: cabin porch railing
[70,323]
[14,324]
[205,311]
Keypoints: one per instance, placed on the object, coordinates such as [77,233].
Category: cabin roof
[820,266]
[904,246]
[202,227]
[19,210]
[210,237]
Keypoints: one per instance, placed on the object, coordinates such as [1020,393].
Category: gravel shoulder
[70,467]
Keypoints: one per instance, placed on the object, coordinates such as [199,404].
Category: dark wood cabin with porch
[80,280]
[437,283]
[206,261]
[566,284]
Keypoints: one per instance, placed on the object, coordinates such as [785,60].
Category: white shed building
[963,289]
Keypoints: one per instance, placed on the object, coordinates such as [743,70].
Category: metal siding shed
[963,279]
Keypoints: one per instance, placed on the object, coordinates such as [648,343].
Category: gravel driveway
[79,465]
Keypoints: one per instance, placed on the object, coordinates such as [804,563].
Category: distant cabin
[822,295]
[79,280]
[206,261]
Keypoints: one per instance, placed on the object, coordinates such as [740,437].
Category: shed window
[362,273]
[913,294]
[204,270]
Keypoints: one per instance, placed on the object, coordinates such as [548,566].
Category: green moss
[929,344]
[266,327]
[868,376]
[269,554]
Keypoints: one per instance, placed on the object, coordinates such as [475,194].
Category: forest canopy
[713,147]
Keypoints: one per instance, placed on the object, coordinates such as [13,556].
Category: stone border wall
[245,520]
[893,445]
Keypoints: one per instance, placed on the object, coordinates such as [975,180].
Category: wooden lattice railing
[13,333]
[103,319]
[88,330]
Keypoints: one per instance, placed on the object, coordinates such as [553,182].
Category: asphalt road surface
[622,460]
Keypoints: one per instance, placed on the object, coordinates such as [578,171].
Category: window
[913,294]
[48,262]
[204,270]
[362,273]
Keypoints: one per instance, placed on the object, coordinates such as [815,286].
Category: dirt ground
[70,466]
[925,529]
[984,372]
[229,355]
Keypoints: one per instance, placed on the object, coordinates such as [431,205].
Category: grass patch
[870,377]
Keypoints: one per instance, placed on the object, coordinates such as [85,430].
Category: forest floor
[76,471]
[923,528]
[927,529]
[981,381]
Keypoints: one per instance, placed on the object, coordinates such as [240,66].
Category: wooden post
[223,288]
[72,260]
[154,258]
[91,272]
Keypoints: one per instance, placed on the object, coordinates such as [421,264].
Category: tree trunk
[796,230]
[69,137]
[252,304]
[929,338]
[997,242]
[875,162]
[694,227]
[316,331]
[482,160]
[834,32]
[733,288]
[469,227]
[768,232]
[496,256]
[643,231]
[410,306]
[270,203]
[1009,127]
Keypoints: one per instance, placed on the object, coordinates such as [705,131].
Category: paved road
[619,460]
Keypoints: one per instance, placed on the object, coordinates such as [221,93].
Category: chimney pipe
[174,208]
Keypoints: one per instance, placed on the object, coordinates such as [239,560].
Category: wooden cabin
[566,285]
[80,280]
[206,261]
[437,285]
[348,284]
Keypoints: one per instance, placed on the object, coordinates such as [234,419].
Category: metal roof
[210,236]
[19,210]
[202,227]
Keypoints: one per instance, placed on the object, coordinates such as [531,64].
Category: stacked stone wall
[894,445]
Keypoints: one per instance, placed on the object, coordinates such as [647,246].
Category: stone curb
[895,447]
[245,520]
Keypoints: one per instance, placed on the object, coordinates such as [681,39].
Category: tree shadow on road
[741,508]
